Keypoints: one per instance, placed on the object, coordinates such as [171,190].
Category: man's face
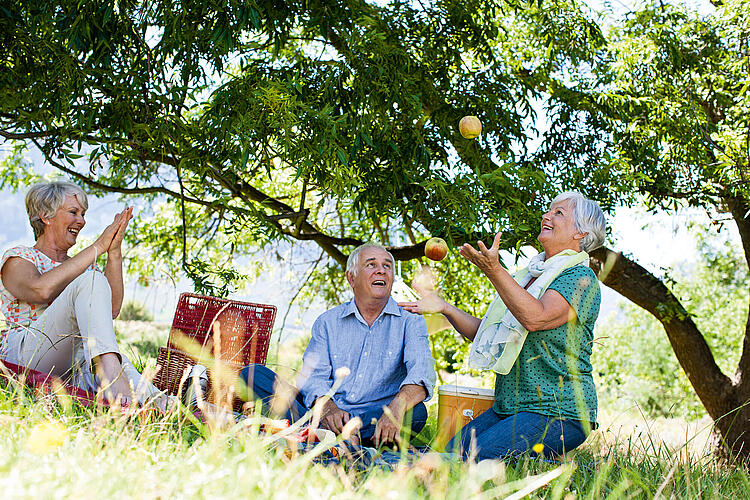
[374,278]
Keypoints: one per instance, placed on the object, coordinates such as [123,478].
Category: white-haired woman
[536,335]
[59,309]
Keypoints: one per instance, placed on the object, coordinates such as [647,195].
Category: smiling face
[558,230]
[62,229]
[374,278]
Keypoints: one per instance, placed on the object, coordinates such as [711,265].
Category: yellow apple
[436,249]
[470,127]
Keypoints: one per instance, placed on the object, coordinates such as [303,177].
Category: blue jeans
[261,380]
[498,436]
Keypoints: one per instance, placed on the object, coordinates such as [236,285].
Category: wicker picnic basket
[223,335]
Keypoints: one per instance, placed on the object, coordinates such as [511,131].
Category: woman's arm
[113,273]
[22,279]
[550,311]
[113,269]
[432,303]
[464,323]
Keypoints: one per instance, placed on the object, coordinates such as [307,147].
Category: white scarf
[500,336]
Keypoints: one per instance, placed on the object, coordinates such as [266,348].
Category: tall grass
[94,453]
[52,448]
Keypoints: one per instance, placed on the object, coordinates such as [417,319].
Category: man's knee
[259,381]
[417,418]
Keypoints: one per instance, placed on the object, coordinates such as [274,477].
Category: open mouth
[378,283]
[546,227]
[74,232]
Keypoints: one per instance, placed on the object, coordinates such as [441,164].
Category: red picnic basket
[223,335]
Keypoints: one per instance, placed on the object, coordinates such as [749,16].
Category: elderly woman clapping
[536,336]
[59,309]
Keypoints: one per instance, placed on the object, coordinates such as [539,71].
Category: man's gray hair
[588,218]
[44,200]
[353,261]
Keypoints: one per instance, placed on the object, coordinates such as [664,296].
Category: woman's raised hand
[116,243]
[431,302]
[113,234]
[486,259]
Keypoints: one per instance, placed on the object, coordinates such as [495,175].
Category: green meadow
[53,448]
[259,142]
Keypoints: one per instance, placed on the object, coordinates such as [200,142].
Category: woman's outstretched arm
[549,311]
[431,302]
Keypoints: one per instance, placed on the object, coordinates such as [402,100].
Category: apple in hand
[436,249]
[470,127]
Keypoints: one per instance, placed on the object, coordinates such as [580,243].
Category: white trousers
[73,330]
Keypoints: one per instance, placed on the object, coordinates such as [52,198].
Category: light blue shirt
[382,358]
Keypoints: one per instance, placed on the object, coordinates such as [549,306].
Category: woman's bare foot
[163,402]
[114,383]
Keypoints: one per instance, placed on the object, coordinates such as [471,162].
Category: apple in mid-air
[470,127]
[436,249]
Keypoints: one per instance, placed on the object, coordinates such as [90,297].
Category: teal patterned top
[553,375]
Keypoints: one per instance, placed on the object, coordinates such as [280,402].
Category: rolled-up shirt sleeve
[420,365]
[316,376]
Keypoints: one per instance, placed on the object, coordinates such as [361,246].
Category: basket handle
[216,317]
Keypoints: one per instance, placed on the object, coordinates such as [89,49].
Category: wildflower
[343,372]
[538,448]
[46,436]
[351,427]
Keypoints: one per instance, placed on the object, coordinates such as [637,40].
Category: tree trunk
[725,399]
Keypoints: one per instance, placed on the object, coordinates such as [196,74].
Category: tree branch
[123,190]
[738,207]
[20,136]
[644,289]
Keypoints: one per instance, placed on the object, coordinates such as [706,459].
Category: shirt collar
[391,307]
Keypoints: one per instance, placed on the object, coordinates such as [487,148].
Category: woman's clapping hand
[111,238]
[125,216]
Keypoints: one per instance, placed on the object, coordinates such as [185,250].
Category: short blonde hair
[44,200]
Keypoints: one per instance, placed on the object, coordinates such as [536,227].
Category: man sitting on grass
[378,350]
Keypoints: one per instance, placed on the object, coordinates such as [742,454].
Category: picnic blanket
[44,382]
[361,457]
[49,385]
[324,448]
